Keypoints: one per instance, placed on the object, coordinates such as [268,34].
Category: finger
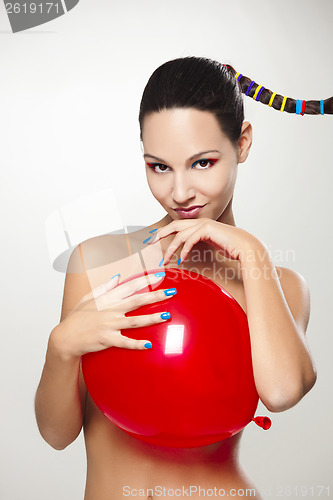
[178,240]
[106,287]
[195,237]
[226,254]
[115,297]
[119,340]
[140,321]
[142,299]
[172,227]
[134,285]
[206,233]
[99,290]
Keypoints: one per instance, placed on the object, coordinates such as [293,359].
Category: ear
[245,142]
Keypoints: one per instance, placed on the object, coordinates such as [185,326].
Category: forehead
[186,130]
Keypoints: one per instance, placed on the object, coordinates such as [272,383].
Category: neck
[227,216]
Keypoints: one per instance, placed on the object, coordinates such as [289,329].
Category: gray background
[69,105]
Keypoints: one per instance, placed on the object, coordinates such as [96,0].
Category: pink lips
[190,212]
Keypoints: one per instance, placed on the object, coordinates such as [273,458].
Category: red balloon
[195,386]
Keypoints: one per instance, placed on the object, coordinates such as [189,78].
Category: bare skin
[141,466]
[138,466]
[116,460]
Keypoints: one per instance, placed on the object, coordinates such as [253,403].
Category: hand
[97,320]
[231,241]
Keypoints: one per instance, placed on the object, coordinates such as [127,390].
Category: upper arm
[76,282]
[76,286]
[297,294]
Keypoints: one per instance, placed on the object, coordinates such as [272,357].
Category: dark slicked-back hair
[208,85]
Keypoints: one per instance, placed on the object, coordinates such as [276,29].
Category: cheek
[157,188]
[221,184]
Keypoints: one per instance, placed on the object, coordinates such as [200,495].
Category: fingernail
[179,261]
[148,345]
[161,262]
[153,230]
[146,240]
[152,238]
[166,315]
[115,276]
[160,274]
[170,291]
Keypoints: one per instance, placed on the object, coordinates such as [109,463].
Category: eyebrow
[191,157]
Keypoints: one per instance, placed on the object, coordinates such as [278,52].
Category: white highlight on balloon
[174,339]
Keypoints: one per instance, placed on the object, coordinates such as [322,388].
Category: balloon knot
[264,422]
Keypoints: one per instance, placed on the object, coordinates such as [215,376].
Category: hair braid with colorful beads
[209,85]
[279,102]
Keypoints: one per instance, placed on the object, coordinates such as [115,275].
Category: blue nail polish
[148,345]
[115,276]
[170,291]
[161,262]
[166,315]
[159,275]
[179,261]
[146,240]
[153,230]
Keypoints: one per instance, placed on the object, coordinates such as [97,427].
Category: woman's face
[190,161]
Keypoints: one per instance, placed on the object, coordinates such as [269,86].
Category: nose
[182,189]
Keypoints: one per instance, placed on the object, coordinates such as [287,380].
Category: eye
[204,161]
[154,165]
[163,168]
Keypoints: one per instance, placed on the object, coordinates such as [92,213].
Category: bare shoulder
[92,261]
[88,253]
[97,251]
[297,295]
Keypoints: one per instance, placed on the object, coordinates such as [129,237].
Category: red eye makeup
[212,161]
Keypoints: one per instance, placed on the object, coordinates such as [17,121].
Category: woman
[194,136]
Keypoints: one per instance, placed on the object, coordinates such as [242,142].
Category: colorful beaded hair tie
[257,93]
[298,106]
[250,87]
[272,99]
[283,103]
[300,103]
